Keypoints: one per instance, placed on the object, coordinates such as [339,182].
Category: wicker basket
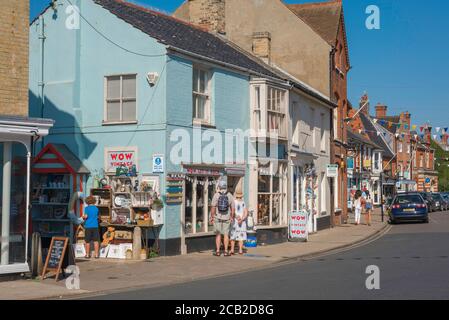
[145,223]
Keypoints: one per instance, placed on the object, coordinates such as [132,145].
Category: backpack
[223,203]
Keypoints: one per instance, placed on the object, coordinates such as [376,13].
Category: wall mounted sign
[158,163]
[120,157]
[332,171]
[174,188]
[202,172]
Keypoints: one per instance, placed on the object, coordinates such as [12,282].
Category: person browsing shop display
[238,227]
[222,215]
[91,227]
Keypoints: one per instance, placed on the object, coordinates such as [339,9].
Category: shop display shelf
[50,220]
[49,204]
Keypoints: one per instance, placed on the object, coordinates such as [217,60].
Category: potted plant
[157,204]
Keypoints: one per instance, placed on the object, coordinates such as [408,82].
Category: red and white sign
[298,225]
[120,157]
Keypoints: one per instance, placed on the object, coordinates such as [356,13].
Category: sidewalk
[100,276]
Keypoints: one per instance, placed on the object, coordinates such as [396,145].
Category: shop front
[269,203]
[17,139]
[304,188]
[200,183]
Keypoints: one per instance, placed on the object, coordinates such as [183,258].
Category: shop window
[271,195]
[201,96]
[120,98]
[198,199]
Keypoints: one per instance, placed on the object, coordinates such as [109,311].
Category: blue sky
[404,65]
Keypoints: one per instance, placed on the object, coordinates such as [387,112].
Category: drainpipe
[41,83]
[6,203]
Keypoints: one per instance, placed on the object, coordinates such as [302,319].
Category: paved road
[413,261]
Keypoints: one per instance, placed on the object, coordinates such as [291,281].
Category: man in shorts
[222,215]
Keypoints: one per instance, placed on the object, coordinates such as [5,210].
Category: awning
[58,158]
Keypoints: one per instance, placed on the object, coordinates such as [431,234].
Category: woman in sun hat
[238,228]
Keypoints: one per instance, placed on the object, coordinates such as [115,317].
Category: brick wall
[209,14]
[14,21]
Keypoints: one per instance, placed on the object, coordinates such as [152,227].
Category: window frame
[121,99]
[208,96]
[266,110]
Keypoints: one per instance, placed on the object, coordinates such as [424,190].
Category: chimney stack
[364,102]
[381,111]
[262,45]
[209,14]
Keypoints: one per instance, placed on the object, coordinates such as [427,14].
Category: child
[91,226]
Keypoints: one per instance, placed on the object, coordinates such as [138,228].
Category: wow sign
[298,225]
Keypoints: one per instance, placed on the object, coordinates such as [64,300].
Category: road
[413,260]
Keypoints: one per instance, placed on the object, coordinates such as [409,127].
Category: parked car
[445,198]
[431,205]
[409,207]
[440,203]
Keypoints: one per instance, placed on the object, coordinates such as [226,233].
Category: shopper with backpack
[222,215]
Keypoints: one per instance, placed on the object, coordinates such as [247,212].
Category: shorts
[92,234]
[222,227]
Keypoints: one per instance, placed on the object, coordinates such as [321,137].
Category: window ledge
[115,123]
[200,234]
[258,227]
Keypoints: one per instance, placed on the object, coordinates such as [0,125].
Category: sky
[404,64]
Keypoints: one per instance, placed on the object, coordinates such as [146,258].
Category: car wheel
[392,221]
[426,220]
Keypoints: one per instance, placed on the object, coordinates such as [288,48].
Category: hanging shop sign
[350,163]
[332,170]
[158,163]
[202,172]
[120,157]
[298,225]
[174,188]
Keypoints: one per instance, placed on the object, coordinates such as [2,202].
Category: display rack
[57,174]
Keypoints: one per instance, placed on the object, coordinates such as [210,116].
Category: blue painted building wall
[75,64]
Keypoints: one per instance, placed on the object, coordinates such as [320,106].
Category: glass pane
[275,184]
[203,81]
[263,210]
[200,204]
[15,239]
[264,183]
[276,209]
[113,111]
[129,111]
[188,207]
[113,87]
[201,107]
[129,86]
[257,98]
[269,99]
[211,193]
[195,80]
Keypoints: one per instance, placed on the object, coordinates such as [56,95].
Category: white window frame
[262,127]
[207,95]
[282,194]
[121,99]
[193,205]
[323,132]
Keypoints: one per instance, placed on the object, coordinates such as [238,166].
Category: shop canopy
[57,158]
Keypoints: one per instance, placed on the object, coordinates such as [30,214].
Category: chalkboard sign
[57,255]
